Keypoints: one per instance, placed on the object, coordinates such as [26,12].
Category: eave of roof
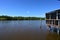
[53,11]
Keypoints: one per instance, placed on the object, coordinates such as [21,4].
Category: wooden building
[53,19]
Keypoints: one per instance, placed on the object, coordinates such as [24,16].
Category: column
[57,15]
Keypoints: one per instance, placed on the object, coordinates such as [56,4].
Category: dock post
[57,31]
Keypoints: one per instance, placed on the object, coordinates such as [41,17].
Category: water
[26,30]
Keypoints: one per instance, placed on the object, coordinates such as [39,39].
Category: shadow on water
[52,36]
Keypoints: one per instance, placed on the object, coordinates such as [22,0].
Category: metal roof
[53,11]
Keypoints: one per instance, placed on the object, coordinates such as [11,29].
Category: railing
[52,19]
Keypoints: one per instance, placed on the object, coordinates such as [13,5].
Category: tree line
[20,18]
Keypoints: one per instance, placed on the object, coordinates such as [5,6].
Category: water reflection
[25,30]
[52,36]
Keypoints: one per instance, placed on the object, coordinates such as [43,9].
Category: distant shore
[20,18]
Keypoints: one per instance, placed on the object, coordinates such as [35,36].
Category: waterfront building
[53,19]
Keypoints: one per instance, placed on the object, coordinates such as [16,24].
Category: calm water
[26,30]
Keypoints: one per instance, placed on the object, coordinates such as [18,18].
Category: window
[58,15]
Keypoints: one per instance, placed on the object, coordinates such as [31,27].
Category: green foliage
[20,18]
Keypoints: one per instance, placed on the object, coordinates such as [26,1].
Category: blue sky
[36,8]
